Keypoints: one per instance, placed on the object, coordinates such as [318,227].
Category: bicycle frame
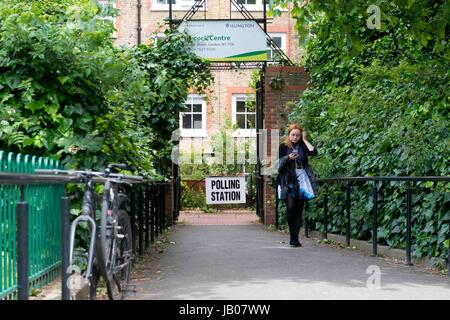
[111,202]
[87,215]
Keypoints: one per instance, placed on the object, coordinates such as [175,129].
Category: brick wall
[219,106]
[278,105]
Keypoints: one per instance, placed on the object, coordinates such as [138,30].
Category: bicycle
[110,251]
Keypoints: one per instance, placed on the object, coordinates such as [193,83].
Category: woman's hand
[304,138]
[293,155]
[304,135]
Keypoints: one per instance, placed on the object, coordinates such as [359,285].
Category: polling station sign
[224,190]
[227,40]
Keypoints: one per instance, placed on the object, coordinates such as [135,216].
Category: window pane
[251,105]
[277,41]
[187,107]
[251,121]
[197,121]
[240,106]
[240,119]
[251,1]
[187,121]
[166,1]
[197,108]
[241,1]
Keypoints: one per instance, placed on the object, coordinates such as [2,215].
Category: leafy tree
[67,92]
[377,104]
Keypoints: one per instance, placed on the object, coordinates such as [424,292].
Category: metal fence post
[157,212]
[161,208]
[277,210]
[152,215]
[65,234]
[147,216]
[408,223]
[375,220]
[325,217]
[141,221]
[133,217]
[22,247]
[448,255]
[348,206]
[165,222]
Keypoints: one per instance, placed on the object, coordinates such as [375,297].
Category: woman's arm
[310,149]
[283,158]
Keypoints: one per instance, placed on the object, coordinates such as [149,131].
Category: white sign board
[224,190]
[227,40]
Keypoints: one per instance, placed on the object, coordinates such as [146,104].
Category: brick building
[140,21]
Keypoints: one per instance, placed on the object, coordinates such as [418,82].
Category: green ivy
[377,105]
[67,92]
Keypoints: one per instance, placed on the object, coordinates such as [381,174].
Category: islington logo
[239,25]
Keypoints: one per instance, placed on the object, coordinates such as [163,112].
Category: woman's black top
[286,167]
[303,153]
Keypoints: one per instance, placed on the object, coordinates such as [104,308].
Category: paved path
[231,217]
[248,262]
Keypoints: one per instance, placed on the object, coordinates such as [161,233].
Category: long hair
[289,129]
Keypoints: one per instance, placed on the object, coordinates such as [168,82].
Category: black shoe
[294,244]
[294,241]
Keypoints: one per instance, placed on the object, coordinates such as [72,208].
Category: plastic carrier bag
[305,189]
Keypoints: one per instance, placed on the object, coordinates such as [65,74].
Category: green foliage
[226,150]
[194,199]
[282,215]
[378,104]
[391,121]
[172,70]
[67,92]
[340,23]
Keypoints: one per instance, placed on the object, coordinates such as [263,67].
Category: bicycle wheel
[116,238]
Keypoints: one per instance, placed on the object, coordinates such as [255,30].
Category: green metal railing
[44,226]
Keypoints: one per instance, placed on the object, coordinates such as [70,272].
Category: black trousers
[294,208]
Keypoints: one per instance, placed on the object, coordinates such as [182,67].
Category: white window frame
[194,132]
[257,7]
[241,132]
[155,37]
[175,7]
[113,19]
[283,43]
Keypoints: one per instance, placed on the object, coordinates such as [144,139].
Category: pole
[375,220]
[65,234]
[22,246]
[170,14]
[139,28]
[325,217]
[348,205]
[408,224]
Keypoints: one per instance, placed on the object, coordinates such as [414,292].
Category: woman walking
[293,154]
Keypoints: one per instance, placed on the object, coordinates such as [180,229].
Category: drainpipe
[139,29]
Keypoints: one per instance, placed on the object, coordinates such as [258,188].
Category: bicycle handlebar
[114,177]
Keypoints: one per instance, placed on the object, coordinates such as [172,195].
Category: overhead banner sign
[224,190]
[227,40]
